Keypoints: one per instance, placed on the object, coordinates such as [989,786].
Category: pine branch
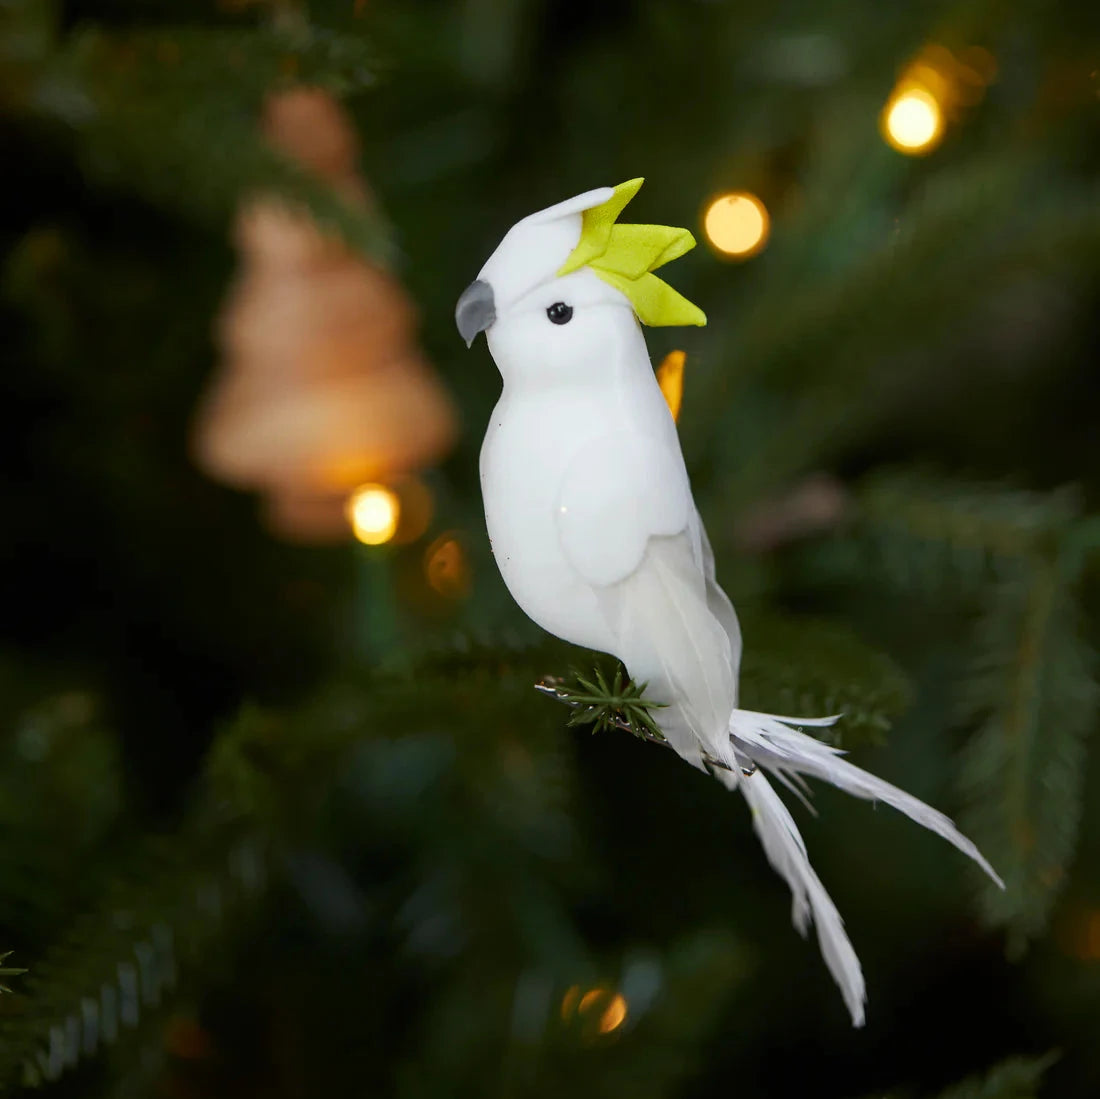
[173,114]
[1028,690]
[270,779]
[622,706]
[839,335]
[56,753]
[926,535]
[656,1045]
[791,666]
[107,976]
[1016,1078]
[835,328]
[810,667]
[1032,695]
[958,530]
[7,970]
[618,704]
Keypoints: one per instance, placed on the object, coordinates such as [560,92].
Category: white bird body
[540,432]
[592,523]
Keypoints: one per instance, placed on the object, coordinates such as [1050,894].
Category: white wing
[626,524]
[618,492]
[717,600]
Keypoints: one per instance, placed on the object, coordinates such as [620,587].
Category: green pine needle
[618,704]
[8,971]
[1031,697]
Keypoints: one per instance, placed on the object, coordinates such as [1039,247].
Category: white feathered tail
[678,632]
[783,845]
[769,744]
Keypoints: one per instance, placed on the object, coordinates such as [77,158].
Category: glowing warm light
[935,88]
[737,224]
[614,1015]
[670,377]
[606,1009]
[446,568]
[373,511]
[912,122]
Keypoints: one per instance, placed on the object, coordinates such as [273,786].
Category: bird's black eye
[560,313]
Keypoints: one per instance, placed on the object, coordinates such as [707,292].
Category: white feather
[717,600]
[669,639]
[786,851]
[770,743]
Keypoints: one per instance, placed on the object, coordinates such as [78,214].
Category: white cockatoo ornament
[594,529]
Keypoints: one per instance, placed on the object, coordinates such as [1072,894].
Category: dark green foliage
[1018,1078]
[808,668]
[1015,1078]
[1027,694]
[471,838]
[340,834]
[172,113]
[841,338]
[931,535]
[55,752]
[104,984]
[1032,696]
[8,970]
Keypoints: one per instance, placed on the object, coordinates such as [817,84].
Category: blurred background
[280,812]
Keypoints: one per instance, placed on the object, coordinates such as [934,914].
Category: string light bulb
[670,377]
[934,89]
[912,121]
[373,512]
[737,224]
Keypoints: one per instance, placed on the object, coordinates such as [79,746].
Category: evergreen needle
[620,704]
[8,971]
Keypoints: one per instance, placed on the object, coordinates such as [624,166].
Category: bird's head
[559,276]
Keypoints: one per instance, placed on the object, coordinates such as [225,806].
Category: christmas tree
[283,810]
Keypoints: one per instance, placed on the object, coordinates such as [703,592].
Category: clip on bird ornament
[594,529]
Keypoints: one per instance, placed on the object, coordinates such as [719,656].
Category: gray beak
[475,311]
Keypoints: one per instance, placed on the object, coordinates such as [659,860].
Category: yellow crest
[627,255]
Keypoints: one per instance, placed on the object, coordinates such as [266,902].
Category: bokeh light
[737,224]
[613,1015]
[670,377]
[912,121]
[602,1010]
[373,512]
